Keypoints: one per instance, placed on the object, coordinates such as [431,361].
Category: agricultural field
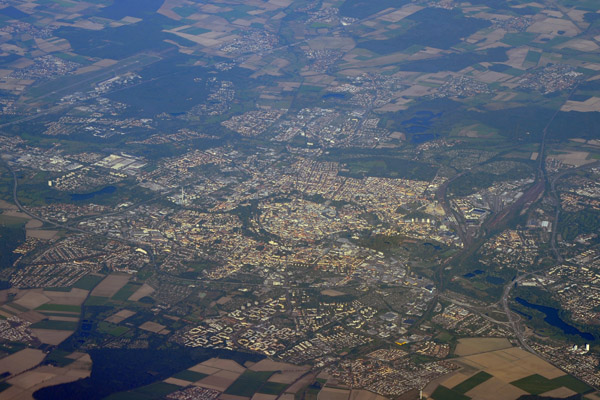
[491,370]
[293,199]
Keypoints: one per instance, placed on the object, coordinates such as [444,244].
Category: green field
[58,289]
[472,382]
[11,236]
[518,39]
[112,329]
[18,307]
[58,358]
[308,393]
[73,57]
[536,384]
[573,383]
[154,391]
[58,313]
[12,347]
[88,282]
[126,291]
[189,376]
[249,383]
[7,310]
[4,386]
[273,388]
[157,390]
[533,57]
[388,167]
[443,393]
[10,220]
[96,301]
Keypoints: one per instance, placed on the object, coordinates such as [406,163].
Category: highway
[514,323]
[499,222]
[65,226]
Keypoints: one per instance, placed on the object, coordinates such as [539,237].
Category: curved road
[64,226]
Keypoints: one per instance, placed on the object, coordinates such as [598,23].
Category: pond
[473,273]
[435,246]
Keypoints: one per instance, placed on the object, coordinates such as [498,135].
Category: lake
[333,96]
[91,195]
[419,123]
[553,319]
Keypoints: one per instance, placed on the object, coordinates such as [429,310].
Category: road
[499,221]
[125,66]
[556,201]
[65,226]
[514,323]
[441,196]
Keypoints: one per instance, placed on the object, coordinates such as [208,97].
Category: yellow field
[333,394]
[75,297]
[470,346]
[365,395]
[512,364]
[152,327]
[52,336]
[219,381]
[24,385]
[145,290]
[575,158]
[495,388]
[21,361]
[120,316]
[32,299]
[110,285]
[590,105]
[506,365]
